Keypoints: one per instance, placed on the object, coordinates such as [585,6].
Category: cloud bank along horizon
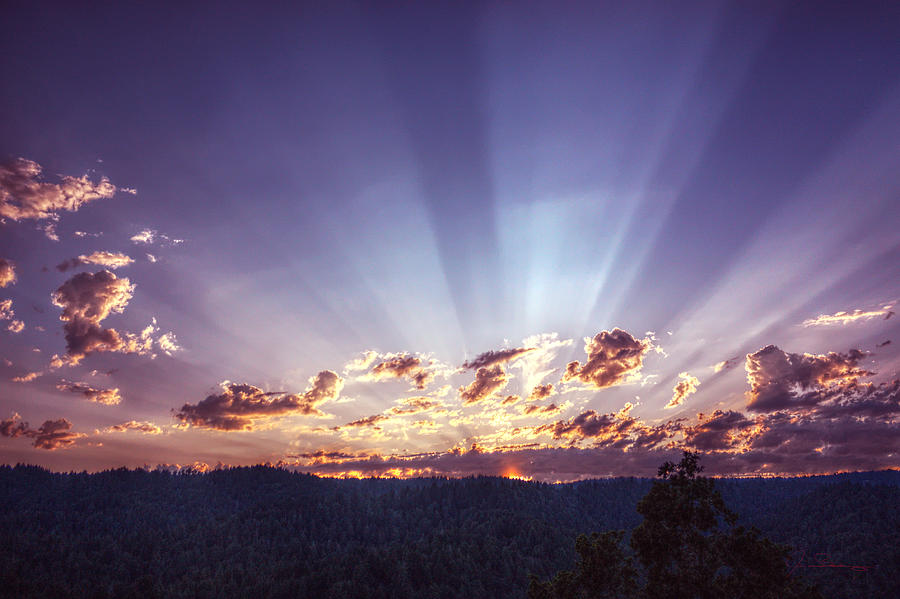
[466,243]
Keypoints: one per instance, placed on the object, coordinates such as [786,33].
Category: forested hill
[263,532]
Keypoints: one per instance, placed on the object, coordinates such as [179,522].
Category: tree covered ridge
[264,532]
[688,546]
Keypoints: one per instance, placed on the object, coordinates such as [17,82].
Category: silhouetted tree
[688,547]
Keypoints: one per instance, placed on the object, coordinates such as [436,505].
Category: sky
[537,240]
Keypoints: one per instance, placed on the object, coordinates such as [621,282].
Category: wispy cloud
[884,312]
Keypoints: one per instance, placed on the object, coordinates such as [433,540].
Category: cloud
[541,392]
[109,397]
[49,229]
[27,378]
[537,364]
[145,236]
[24,196]
[780,380]
[6,310]
[168,343]
[146,428]
[713,432]
[416,405]
[149,237]
[364,422]
[7,272]
[112,260]
[87,299]
[549,410]
[539,463]
[884,343]
[613,358]
[361,362]
[53,434]
[487,382]
[7,313]
[683,388]
[86,234]
[618,430]
[495,357]
[727,364]
[402,366]
[849,317]
[241,406]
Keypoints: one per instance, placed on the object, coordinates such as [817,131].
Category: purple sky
[451,238]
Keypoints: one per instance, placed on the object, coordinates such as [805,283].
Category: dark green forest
[266,532]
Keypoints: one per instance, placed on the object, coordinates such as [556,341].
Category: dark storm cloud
[494,357]
[240,406]
[487,382]
[53,434]
[613,356]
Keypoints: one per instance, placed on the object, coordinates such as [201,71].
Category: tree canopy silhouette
[688,546]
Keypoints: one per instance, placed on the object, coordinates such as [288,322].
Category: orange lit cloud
[109,397]
[27,378]
[53,434]
[415,405]
[549,410]
[145,428]
[884,312]
[240,406]
[541,392]
[683,388]
[7,272]
[24,196]
[112,260]
[779,379]
[488,381]
[403,366]
[364,422]
[613,357]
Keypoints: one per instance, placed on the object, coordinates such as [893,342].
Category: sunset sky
[451,238]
